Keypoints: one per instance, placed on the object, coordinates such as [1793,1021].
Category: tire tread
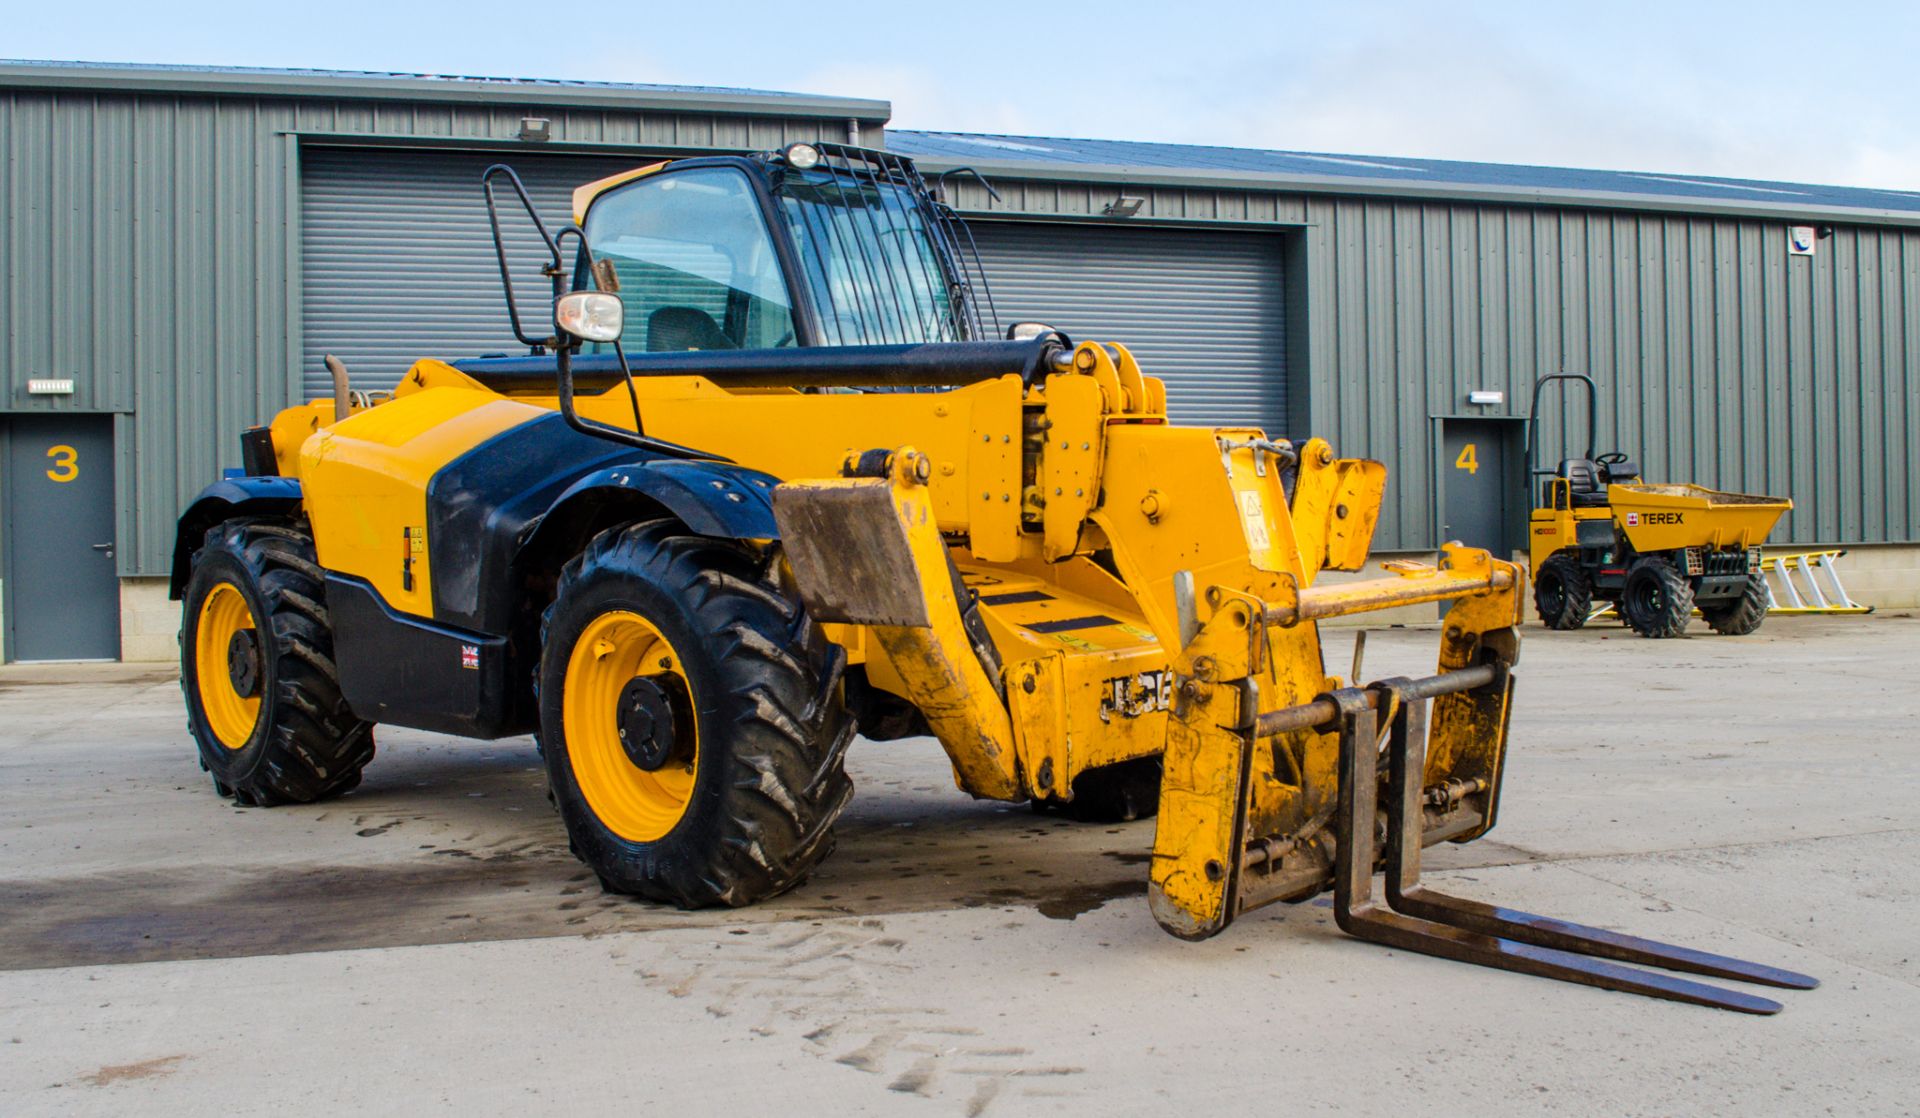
[787,728]
[314,747]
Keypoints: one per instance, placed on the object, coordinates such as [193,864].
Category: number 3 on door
[66,463]
[1467,460]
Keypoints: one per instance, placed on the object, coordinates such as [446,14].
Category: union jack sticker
[470,657]
[1633,520]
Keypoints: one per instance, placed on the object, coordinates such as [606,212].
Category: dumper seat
[1586,484]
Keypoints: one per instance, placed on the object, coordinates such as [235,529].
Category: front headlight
[591,316]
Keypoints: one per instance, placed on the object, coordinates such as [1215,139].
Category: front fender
[223,500]
[710,498]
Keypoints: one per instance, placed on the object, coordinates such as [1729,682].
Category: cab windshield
[698,270]
[870,260]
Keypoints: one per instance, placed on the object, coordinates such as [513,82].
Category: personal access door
[1478,483]
[62,596]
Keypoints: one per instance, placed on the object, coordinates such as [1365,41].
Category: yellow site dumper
[1657,552]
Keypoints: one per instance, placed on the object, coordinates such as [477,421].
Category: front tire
[693,720]
[256,664]
[1657,601]
[1742,615]
[1562,593]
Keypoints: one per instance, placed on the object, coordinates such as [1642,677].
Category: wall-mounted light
[1486,396]
[50,386]
[536,129]
[1124,206]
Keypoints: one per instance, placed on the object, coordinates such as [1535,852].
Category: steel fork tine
[1358,914]
[1406,767]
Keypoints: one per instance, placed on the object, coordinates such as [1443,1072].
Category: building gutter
[425,88]
[1400,189]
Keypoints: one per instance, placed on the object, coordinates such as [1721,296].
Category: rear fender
[223,500]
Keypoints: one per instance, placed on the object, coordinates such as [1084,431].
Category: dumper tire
[304,742]
[742,807]
[1562,592]
[1117,793]
[1657,600]
[1742,615]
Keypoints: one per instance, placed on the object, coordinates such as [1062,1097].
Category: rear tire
[747,764]
[1657,601]
[256,664]
[1562,592]
[1742,615]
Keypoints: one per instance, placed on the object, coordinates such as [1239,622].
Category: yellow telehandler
[768,477]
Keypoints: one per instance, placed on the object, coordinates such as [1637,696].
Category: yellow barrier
[1797,573]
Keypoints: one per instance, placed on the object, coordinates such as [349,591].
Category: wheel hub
[243,662]
[646,724]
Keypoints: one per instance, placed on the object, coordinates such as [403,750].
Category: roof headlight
[803,157]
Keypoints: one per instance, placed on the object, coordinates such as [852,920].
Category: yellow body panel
[1657,518]
[1663,517]
[583,196]
[1550,529]
[365,480]
[1085,678]
[971,437]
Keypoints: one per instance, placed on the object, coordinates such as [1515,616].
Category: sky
[1795,92]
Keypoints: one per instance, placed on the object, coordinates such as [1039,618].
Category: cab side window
[696,265]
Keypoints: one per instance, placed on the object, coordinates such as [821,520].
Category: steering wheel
[1611,458]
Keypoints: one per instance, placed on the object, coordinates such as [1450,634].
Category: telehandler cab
[1600,533]
[768,477]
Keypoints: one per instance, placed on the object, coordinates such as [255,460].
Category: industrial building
[179,247]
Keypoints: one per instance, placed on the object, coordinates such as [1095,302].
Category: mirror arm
[619,347]
[563,347]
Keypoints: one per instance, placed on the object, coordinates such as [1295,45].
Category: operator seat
[677,329]
[1586,482]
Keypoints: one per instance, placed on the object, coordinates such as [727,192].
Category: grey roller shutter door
[397,262]
[1201,309]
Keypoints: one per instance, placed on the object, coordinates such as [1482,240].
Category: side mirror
[591,316]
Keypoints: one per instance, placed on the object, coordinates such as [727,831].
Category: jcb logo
[1131,696]
[1635,519]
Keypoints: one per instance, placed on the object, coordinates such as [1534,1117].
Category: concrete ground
[427,942]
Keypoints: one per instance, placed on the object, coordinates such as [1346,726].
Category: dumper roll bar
[1533,419]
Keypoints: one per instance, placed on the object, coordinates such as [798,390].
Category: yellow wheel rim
[639,806]
[230,715]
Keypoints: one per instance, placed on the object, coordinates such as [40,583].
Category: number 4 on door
[1468,460]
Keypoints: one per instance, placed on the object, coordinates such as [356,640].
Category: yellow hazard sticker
[1253,515]
[1135,631]
[1080,644]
